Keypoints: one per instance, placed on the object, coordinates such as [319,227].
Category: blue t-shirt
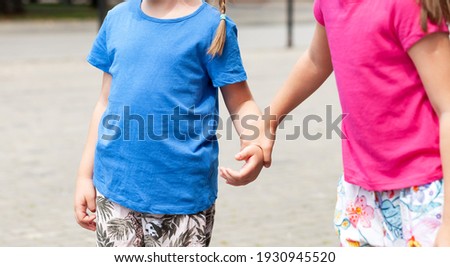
[157,150]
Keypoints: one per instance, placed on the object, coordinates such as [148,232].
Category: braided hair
[218,42]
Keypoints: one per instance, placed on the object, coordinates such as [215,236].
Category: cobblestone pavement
[47,94]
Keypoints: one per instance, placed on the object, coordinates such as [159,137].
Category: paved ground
[47,93]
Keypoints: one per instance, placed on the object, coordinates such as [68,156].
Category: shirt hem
[242,78]
[167,210]
[97,65]
[414,39]
[398,184]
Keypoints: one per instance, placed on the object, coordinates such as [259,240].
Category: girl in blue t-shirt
[150,165]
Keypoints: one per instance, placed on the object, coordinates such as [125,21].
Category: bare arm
[85,192]
[312,69]
[87,160]
[240,103]
[431,56]
[247,121]
[309,73]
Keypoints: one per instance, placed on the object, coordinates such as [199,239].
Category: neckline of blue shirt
[147,17]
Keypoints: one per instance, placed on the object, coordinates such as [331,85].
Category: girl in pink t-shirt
[391,60]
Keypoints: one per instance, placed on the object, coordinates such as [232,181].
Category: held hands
[255,154]
[85,196]
[253,157]
[267,141]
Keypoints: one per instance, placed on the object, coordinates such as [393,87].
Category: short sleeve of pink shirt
[318,13]
[392,131]
[407,23]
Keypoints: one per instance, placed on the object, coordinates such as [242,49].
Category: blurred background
[48,91]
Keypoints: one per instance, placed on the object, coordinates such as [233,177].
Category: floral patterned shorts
[406,217]
[118,226]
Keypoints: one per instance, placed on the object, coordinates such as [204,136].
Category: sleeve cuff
[230,80]
[413,39]
[99,65]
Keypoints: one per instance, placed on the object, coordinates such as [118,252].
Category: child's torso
[392,131]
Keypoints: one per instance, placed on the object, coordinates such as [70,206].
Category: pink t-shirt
[392,130]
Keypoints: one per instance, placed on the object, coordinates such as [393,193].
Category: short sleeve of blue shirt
[98,57]
[227,68]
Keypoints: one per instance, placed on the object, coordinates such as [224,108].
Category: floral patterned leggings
[118,226]
[406,217]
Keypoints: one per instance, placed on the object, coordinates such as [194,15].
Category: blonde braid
[218,43]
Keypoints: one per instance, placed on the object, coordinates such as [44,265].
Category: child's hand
[267,142]
[254,159]
[85,197]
